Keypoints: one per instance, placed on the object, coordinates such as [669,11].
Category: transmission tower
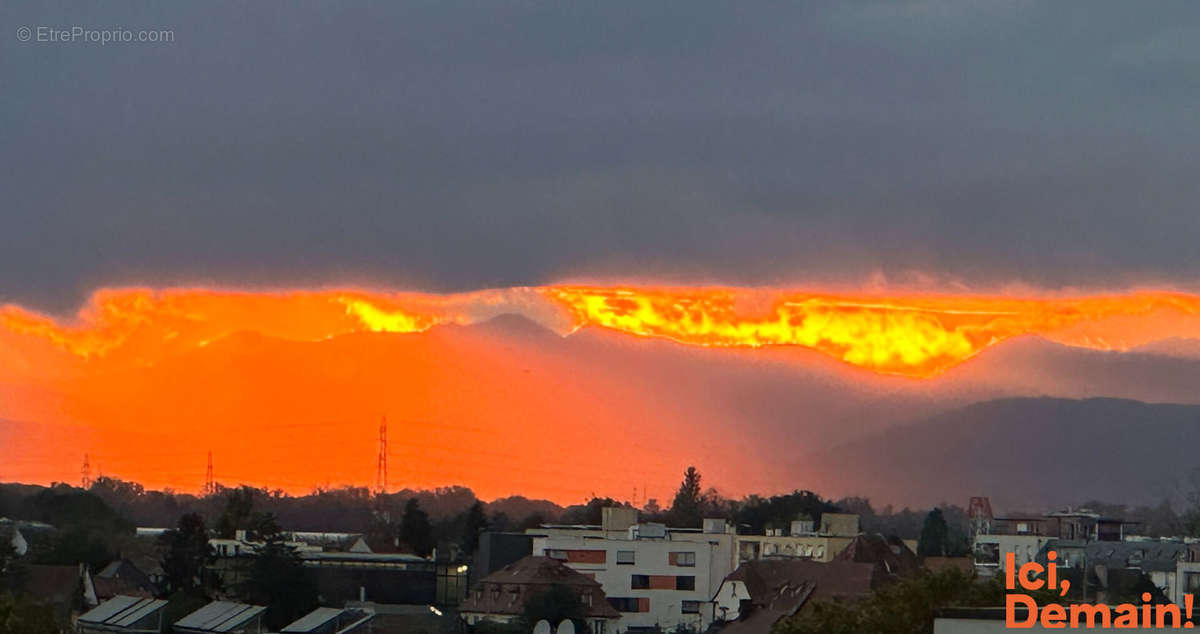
[381,468]
[210,487]
[85,480]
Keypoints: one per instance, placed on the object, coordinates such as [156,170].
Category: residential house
[351,575]
[1115,568]
[122,577]
[891,556]
[1026,535]
[803,539]
[759,593]
[501,596]
[655,576]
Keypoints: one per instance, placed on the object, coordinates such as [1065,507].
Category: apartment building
[802,540]
[653,575]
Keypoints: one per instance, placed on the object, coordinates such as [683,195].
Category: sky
[448,146]
[415,152]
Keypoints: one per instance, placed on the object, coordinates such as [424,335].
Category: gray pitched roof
[219,616]
[122,611]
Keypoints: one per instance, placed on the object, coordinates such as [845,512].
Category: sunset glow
[301,378]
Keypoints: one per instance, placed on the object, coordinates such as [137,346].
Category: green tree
[415,530]
[935,536]
[187,553]
[89,531]
[904,607]
[475,523]
[278,579]
[238,513]
[756,513]
[554,604]
[591,513]
[687,508]
[23,616]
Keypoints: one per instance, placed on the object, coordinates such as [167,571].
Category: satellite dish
[542,627]
[566,627]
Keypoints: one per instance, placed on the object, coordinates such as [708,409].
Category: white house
[653,575]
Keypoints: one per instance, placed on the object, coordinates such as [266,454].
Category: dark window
[639,582]
[685,583]
[624,604]
[690,607]
[625,557]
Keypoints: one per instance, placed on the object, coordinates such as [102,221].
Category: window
[625,557]
[639,582]
[987,554]
[690,607]
[683,559]
[556,554]
[628,604]
[1191,582]
[685,583]
[597,626]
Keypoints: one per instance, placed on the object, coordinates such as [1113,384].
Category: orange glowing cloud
[916,335]
[287,387]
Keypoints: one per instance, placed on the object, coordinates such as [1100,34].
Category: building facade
[652,575]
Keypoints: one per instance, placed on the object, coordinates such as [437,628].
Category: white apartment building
[653,575]
[991,551]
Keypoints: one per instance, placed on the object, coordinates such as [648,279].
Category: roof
[313,620]
[122,611]
[219,616]
[1144,555]
[343,555]
[122,575]
[938,564]
[543,570]
[495,596]
[109,587]
[782,587]
[890,554]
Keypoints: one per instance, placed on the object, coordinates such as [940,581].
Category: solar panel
[108,609]
[137,612]
[219,616]
[312,620]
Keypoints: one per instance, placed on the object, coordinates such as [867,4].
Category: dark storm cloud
[449,145]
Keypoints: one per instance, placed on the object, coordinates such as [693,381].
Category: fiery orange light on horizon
[917,336]
[146,372]
[914,335]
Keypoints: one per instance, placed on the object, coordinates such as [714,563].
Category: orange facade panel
[662,582]
[643,604]
[586,556]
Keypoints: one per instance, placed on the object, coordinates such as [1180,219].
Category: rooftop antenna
[381,467]
[210,487]
[85,480]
